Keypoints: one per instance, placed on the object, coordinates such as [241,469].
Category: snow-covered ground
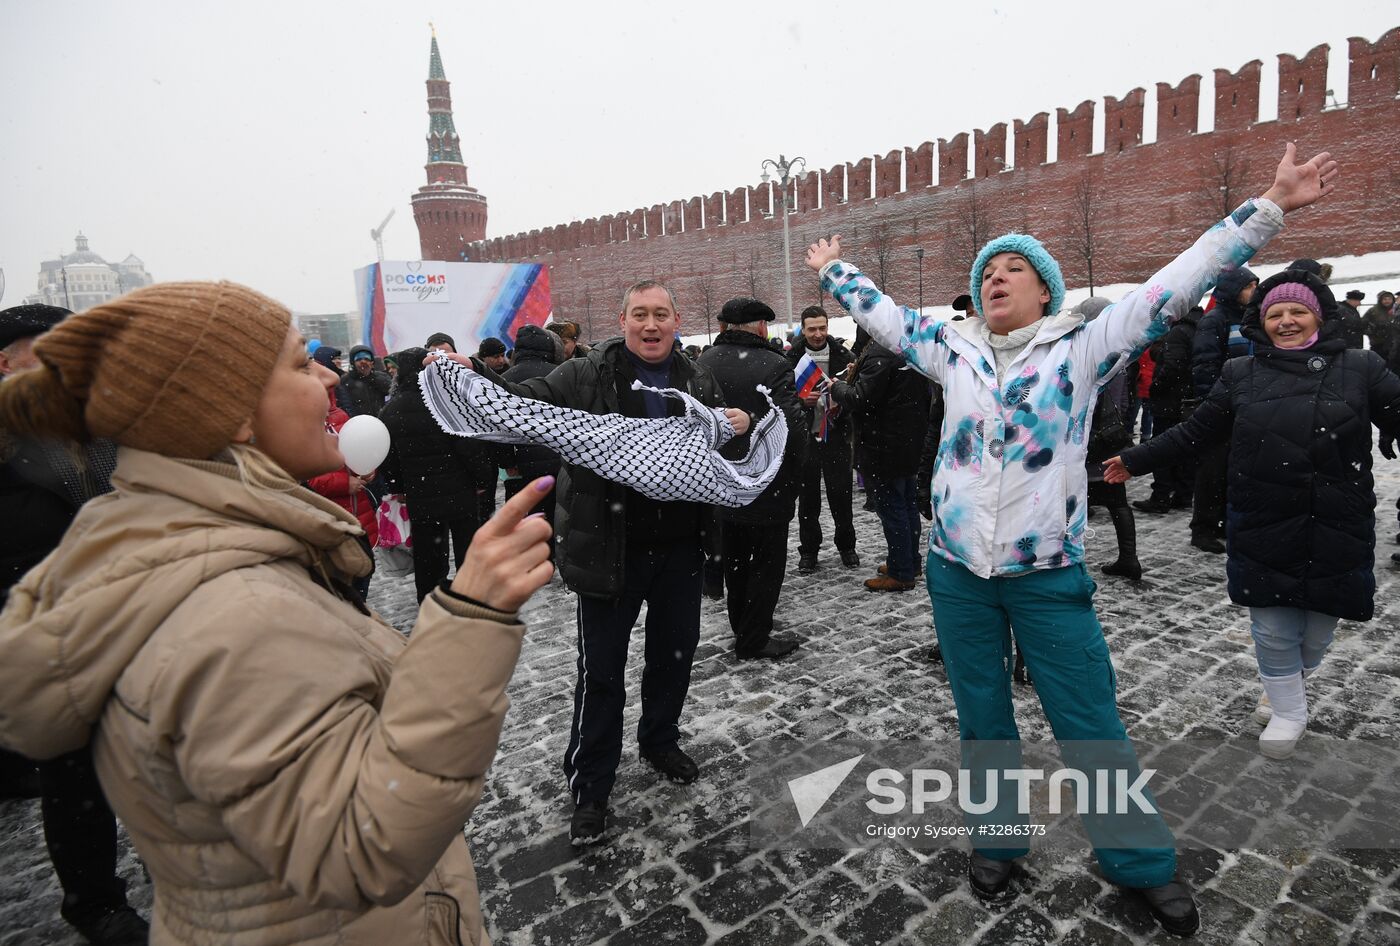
[680,868]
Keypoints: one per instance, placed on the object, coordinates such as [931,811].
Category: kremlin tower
[450,215]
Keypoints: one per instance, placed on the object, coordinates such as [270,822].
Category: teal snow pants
[1052,612]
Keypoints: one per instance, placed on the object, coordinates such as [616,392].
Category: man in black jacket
[435,473]
[892,407]
[1218,339]
[365,386]
[755,537]
[537,353]
[618,549]
[1171,386]
[43,484]
[828,454]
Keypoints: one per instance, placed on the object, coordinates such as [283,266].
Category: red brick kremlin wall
[1143,203]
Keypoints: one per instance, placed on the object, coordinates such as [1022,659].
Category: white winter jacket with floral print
[1010,484]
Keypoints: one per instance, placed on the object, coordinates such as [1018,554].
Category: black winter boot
[1125,526]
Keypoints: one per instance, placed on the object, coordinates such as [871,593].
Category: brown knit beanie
[174,368]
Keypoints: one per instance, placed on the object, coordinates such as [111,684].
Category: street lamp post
[63,272]
[785,169]
[919,255]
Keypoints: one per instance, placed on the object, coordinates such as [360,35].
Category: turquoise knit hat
[1034,251]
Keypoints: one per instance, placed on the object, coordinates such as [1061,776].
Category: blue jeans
[1287,640]
[1052,612]
[896,503]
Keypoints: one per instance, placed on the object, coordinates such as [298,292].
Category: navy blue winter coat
[1300,525]
[1218,335]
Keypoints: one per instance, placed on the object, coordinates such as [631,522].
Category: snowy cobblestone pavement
[679,868]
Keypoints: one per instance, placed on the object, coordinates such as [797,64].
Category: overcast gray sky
[261,141]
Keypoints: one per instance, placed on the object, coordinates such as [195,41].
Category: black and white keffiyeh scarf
[667,459]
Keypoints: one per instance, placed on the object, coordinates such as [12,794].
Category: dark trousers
[755,561]
[897,505]
[1208,517]
[430,538]
[79,829]
[486,500]
[667,580]
[81,833]
[829,462]
[1177,481]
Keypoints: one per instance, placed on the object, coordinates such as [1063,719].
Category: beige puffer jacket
[288,768]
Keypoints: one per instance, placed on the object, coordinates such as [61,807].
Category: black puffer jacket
[537,353]
[1301,517]
[1218,336]
[839,433]
[591,513]
[740,362]
[432,469]
[43,484]
[1171,382]
[365,394]
[890,405]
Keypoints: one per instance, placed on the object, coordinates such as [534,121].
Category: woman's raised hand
[1114,471]
[821,252]
[1297,185]
[508,559]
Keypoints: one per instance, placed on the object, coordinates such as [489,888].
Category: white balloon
[364,442]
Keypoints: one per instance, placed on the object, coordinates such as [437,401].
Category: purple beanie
[1292,292]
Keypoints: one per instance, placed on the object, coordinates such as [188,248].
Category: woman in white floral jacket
[1006,544]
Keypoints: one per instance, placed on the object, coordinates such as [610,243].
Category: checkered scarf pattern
[669,459]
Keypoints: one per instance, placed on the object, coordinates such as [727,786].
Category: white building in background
[337,329]
[82,279]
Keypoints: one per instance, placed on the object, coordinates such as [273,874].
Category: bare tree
[705,288]
[882,249]
[1084,223]
[1223,181]
[973,224]
[753,274]
[587,314]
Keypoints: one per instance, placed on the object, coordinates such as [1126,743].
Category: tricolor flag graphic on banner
[809,377]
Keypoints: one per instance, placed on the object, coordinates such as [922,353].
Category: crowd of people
[188,643]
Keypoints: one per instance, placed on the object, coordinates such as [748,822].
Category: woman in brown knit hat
[289,769]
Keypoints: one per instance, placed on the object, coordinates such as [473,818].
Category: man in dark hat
[493,352]
[754,538]
[42,486]
[1353,326]
[441,341]
[962,304]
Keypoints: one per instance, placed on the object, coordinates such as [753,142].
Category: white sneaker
[1264,711]
[1289,719]
[1280,737]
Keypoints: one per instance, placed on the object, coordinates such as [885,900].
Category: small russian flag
[809,377]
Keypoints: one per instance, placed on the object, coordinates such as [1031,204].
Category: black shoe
[1208,543]
[989,879]
[120,927]
[850,559]
[777,646]
[714,592]
[1173,908]
[1131,568]
[1395,557]
[589,824]
[1019,673]
[674,765]
[806,564]
[1153,504]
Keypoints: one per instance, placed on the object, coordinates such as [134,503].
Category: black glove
[925,502]
[1388,447]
